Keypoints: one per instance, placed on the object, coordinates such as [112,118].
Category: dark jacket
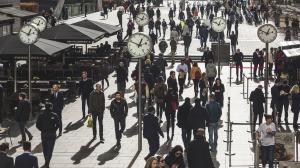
[238,58]
[295,107]
[151,127]
[275,93]
[48,122]
[122,75]
[172,84]
[6,161]
[182,115]
[96,102]
[207,55]
[85,87]
[118,110]
[57,102]
[198,154]
[171,159]
[187,40]
[26,160]
[214,112]
[197,117]
[257,97]
[23,111]
[255,58]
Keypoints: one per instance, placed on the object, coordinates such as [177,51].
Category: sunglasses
[162,161]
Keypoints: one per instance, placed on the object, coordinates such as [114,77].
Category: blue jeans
[186,135]
[213,135]
[267,155]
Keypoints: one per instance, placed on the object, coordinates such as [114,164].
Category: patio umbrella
[90,24]
[72,34]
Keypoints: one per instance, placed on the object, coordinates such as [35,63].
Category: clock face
[40,22]
[139,45]
[267,33]
[28,34]
[218,24]
[142,19]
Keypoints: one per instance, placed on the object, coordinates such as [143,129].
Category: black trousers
[84,101]
[295,119]
[153,145]
[106,80]
[164,33]
[196,86]
[283,104]
[24,130]
[119,127]
[257,115]
[99,116]
[60,120]
[158,30]
[48,142]
[181,83]
[170,116]
[159,108]
[237,67]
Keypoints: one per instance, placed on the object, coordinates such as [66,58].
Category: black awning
[15,12]
[72,34]
[90,24]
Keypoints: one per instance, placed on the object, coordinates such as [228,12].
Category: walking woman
[219,90]
[203,84]
[175,157]
[171,107]
[151,162]
[295,105]
[196,75]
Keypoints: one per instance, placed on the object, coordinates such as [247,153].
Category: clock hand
[263,31]
[38,23]
[268,31]
[219,23]
[29,32]
[140,43]
[135,43]
[141,18]
[24,32]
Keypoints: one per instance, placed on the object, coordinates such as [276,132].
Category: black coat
[151,127]
[85,88]
[257,97]
[198,154]
[172,84]
[118,110]
[275,92]
[182,115]
[295,107]
[48,122]
[255,58]
[23,111]
[6,161]
[197,117]
[57,102]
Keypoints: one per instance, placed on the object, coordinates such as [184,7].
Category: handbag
[89,122]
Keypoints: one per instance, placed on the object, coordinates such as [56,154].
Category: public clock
[142,19]
[40,22]
[267,33]
[29,34]
[139,45]
[218,24]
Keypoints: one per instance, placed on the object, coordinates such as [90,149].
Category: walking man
[27,159]
[233,42]
[85,88]
[119,111]
[57,100]
[182,70]
[182,116]
[151,131]
[96,109]
[238,60]
[214,113]
[48,123]
[22,116]
[257,97]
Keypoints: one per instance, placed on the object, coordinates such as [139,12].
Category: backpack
[197,74]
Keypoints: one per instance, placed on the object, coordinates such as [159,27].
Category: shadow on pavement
[84,152]
[131,104]
[74,126]
[108,155]
[38,148]
[165,148]
[215,161]
[164,127]
[13,149]
[133,130]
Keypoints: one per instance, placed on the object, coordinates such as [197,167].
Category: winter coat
[197,117]
[96,102]
[211,70]
[182,115]
[257,97]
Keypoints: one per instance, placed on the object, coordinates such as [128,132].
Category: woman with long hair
[219,89]
[295,104]
[175,157]
[203,84]
[171,107]
[151,162]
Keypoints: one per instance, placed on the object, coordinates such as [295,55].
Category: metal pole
[230,74]
[15,77]
[297,152]
[247,90]
[29,75]
[219,67]
[243,86]
[230,134]
[266,79]
[140,107]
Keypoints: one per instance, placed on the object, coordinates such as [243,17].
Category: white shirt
[266,138]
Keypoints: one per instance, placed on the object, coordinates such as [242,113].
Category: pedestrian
[119,111]
[204,86]
[219,89]
[172,82]
[233,42]
[295,106]
[170,113]
[198,155]
[161,162]
[157,13]
[150,25]
[255,61]
[187,39]
[238,60]
[283,101]
[26,159]
[85,88]
[120,15]
[48,123]
[122,78]
[197,117]
[96,110]
[261,62]
[57,100]
[151,131]
[188,61]
[266,136]
[173,44]
[182,122]
[158,27]
[195,76]
[275,93]
[105,12]
[85,10]
[130,28]
[6,161]
[214,113]
[164,27]
[207,56]
[161,63]
[22,116]
[175,157]
[182,70]
[151,162]
[257,98]
[211,73]
[171,14]
[229,24]
[160,92]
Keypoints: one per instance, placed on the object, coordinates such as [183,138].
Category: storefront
[77,7]
[6,25]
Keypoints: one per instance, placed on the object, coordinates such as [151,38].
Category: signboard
[224,53]
[284,146]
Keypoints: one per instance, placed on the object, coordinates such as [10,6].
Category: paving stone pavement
[75,149]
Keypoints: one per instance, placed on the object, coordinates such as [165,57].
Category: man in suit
[85,88]
[57,100]
[6,161]
[26,160]
[48,123]
[96,109]
[22,116]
